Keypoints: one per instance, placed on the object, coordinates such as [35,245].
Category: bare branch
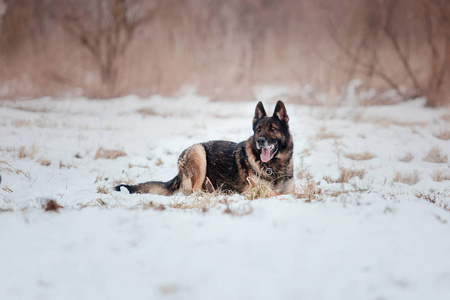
[386,28]
[367,67]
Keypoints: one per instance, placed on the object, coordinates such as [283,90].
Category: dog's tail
[154,187]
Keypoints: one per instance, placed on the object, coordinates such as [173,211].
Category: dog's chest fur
[236,167]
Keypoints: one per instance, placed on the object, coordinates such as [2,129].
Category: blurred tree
[436,15]
[226,49]
[384,46]
[105,28]
[2,11]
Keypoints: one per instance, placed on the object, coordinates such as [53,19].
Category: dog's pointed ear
[280,112]
[260,112]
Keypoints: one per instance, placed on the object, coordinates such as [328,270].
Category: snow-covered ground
[370,218]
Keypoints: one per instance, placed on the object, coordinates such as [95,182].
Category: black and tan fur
[228,166]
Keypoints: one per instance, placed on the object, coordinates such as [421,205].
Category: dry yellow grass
[8,149]
[200,200]
[24,152]
[65,165]
[147,112]
[21,152]
[439,175]
[437,198]
[45,124]
[360,156]
[109,154]
[259,190]
[384,122]
[346,175]
[100,201]
[21,123]
[241,210]
[95,203]
[443,135]
[407,178]
[102,190]
[408,157]
[328,179]
[7,167]
[99,177]
[304,173]
[324,134]
[308,191]
[38,123]
[152,205]
[6,188]
[44,162]
[436,156]
[128,181]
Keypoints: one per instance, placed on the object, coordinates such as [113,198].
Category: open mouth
[268,152]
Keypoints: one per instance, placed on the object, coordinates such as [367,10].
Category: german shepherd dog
[265,157]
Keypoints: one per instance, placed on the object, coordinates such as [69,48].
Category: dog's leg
[192,169]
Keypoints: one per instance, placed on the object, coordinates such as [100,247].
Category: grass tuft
[241,210]
[407,178]
[101,202]
[439,176]
[408,157]
[324,134]
[44,162]
[109,154]
[346,175]
[201,200]
[147,112]
[21,123]
[24,152]
[308,191]
[304,173]
[153,205]
[102,190]
[99,177]
[443,135]
[128,181]
[435,197]
[258,190]
[65,166]
[436,156]
[6,188]
[360,156]
[7,167]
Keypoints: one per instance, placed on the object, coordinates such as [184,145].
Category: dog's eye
[272,129]
[258,129]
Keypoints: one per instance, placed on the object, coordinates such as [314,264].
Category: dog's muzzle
[267,150]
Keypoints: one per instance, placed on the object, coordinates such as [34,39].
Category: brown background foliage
[109,48]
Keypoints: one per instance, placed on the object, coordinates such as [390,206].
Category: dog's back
[224,171]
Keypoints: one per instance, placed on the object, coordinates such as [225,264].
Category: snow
[369,238]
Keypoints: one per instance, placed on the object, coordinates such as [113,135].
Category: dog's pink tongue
[265,155]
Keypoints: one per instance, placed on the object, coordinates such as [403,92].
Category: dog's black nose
[261,141]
